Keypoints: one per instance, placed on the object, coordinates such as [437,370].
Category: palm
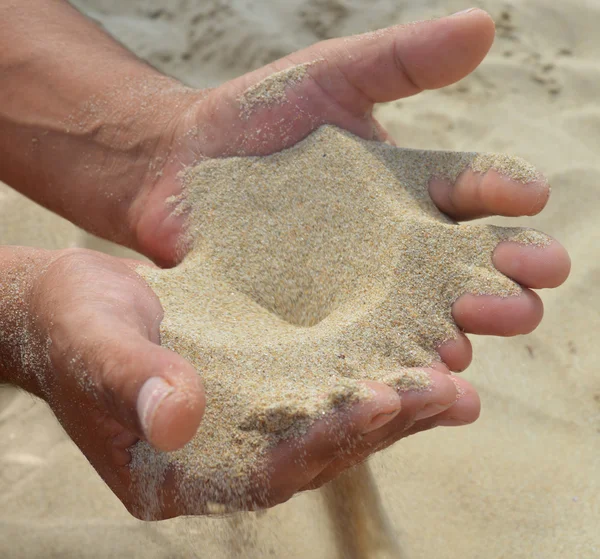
[103,322]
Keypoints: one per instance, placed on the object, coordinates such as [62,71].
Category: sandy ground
[524,481]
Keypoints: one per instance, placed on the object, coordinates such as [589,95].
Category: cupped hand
[94,337]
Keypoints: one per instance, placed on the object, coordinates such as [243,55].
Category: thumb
[339,81]
[405,59]
[170,404]
[392,63]
[147,388]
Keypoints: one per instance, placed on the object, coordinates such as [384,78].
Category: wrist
[81,118]
[23,353]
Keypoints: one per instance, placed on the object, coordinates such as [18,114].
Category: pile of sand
[312,269]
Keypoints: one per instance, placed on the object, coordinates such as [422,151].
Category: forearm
[22,348]
[74,102]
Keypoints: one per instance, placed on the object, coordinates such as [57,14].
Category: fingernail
[379,421]
[460,391]
[150,398]
[431,410]
[462,12]
[450,423]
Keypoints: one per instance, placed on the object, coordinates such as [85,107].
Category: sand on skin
[311,270]
[524,479]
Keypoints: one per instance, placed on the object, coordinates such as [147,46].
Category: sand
[272,90]
[311,270]
[521,482]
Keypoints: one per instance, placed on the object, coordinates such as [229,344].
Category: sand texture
[524,480]
[313,269]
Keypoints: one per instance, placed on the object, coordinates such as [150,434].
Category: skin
[98,136]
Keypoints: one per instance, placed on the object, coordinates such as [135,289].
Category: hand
[147,127]
[81,330]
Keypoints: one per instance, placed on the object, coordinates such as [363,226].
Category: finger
[474,195]
[293,463]
[417,406]
[464,412]
[533,266]
[496,316]
[381,134]
[119,445]
[403,60]
[456,353]
[398,61]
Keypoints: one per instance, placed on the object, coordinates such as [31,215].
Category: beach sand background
[524,481]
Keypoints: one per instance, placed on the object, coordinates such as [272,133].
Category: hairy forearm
[76,109]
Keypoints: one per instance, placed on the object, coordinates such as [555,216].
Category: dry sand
[311,270]
[524,480]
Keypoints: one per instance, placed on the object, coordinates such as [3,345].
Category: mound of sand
[312,269]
